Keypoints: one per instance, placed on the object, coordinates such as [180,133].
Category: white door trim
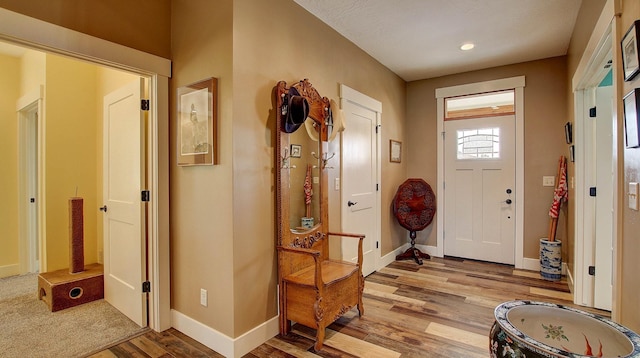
[23,30]
[351,95]
[518,84]
[588,75]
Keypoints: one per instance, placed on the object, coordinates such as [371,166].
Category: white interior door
[29,243]
[479,192]
[603,285]
[124,246]
[359,163]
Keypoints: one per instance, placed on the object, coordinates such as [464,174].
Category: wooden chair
[314,289]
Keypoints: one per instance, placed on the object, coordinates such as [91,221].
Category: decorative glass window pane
[483,143]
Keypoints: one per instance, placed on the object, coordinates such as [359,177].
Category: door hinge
[145,195]
[377,126]
[377,187]
[592,270]
[144,104]
[146,286]
[377,244]
[592,112]
[592,191]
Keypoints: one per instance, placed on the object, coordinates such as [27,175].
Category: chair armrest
[360,236]
[357,236]
[318,266]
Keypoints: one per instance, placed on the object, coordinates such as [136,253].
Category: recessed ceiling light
[467,46]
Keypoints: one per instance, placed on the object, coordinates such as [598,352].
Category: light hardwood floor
[443,308]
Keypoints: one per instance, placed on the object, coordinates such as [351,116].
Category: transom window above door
[480,105]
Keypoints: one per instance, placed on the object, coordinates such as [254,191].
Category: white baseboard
[221,343]
[9,270]
[391,257]
[534,265]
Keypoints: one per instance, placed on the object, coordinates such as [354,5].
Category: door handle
[351,203]
[104,208]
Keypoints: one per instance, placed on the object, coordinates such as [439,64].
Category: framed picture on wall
[196,127]
[629,44]
[395,151]
[631,133]
[296,150]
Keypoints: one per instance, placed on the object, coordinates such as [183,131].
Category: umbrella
[560,195]
[308,191]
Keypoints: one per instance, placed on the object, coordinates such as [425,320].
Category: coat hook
[285,160]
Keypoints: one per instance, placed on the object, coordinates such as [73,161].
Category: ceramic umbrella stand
[550,259]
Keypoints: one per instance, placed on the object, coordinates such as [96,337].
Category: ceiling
[419,39]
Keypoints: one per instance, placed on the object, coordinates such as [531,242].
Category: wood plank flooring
[443,308]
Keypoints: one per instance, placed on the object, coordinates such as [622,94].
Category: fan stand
[413,252]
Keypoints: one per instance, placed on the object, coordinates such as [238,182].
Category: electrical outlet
[203,297]
[548,181]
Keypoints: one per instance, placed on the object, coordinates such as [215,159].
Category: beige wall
[9,230]
[545,104]
[142,24]
[202,231]
[629,243]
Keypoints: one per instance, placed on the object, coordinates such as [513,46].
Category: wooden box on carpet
[61,289]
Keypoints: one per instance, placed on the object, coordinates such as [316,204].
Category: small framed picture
[568,132]
[296,150]
[395,151]
[631,105]
[197,127]
[629,44]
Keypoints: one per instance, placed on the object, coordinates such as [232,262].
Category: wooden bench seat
[332,272]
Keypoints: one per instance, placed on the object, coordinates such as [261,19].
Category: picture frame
[631,114]
[629,46]
[296,150]
[568,132]
[196,127]
[395,151]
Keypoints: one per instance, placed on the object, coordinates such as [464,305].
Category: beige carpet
[29,329]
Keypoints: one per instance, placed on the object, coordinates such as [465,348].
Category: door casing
[590,72]
[27,31]
[516,83]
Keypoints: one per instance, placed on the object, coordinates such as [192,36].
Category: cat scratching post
[76,235]
[79,284]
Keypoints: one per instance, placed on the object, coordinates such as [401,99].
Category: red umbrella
[560,195]
[308,191]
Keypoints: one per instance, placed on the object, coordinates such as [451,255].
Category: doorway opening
[19,30]
[591,277]
[29,183]
[507,205]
